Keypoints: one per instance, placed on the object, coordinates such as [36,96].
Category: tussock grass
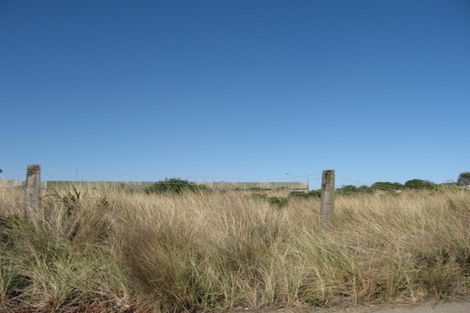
[92,251]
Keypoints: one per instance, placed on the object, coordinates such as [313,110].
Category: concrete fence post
[327,197]
[32,188]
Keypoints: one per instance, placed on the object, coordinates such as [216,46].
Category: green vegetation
[351,190]
[464,179]
[305,195]
[274,201]
[415,184]
[387,186]
[174,185]
[420,184]
[278,202]
[87,250]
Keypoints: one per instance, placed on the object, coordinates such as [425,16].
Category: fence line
[201,178]
[106,185]
[33,187]
[226,183]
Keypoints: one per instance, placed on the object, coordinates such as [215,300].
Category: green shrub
[278,201]
[305,195]
[387,186]
[174,185]
[464,178]
[420,184]
[351,189]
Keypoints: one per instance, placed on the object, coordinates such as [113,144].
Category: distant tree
[351,189]
[464,179]
[420,184]
[387,186]
[173,185]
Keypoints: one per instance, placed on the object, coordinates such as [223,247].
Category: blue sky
[222,90]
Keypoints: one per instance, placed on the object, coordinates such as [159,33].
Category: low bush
[278,202]
[387,186]
[305,195]
[465,175]
[174,185]
[351,190]
[420,184]
[464,179]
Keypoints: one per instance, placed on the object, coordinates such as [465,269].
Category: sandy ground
[451,307]
[460,306]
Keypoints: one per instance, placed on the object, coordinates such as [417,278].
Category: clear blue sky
[141,90]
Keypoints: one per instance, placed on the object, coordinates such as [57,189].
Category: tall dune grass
[92,251]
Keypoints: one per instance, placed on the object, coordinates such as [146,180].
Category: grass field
[91,251]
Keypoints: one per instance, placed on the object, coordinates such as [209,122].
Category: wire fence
[135,185]
[291,182]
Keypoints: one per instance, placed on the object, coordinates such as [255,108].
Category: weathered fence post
[32,188]
[327,197]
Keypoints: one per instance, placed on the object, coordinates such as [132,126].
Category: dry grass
[91,251]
